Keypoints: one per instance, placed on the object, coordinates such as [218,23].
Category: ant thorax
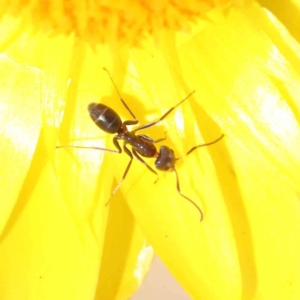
[141,144]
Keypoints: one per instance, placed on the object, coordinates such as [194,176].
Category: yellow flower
[59,240]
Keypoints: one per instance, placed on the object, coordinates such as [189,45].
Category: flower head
[59,238]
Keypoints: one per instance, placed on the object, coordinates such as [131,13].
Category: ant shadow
[231,191]
[120,232]
[135,104]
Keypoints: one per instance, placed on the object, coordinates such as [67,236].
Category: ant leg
[85,147]
[144,163]
[161,139]
[185,197]
[203,145]
[123,102]
[165,115]
[116,143]
[127,151]
[115,140]
[130,122]
[149,139]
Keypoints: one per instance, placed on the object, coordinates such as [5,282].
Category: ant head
[166,159]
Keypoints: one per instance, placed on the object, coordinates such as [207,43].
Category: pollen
[100,21]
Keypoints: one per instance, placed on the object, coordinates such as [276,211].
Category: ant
[141,145]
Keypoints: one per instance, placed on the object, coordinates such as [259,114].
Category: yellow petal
[58,240]
[244,72]
[287,13]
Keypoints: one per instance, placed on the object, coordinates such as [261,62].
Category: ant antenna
[203,145]
[185,197]
[89,147]
[163,116]
[124,103]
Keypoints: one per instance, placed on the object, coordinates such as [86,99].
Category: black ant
[141,145]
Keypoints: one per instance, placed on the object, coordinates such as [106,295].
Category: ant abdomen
[105,118]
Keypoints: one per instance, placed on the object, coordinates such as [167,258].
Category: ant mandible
[141,145]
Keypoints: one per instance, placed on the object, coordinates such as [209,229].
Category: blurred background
[160,285]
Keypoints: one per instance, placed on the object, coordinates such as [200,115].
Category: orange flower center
[107,21]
